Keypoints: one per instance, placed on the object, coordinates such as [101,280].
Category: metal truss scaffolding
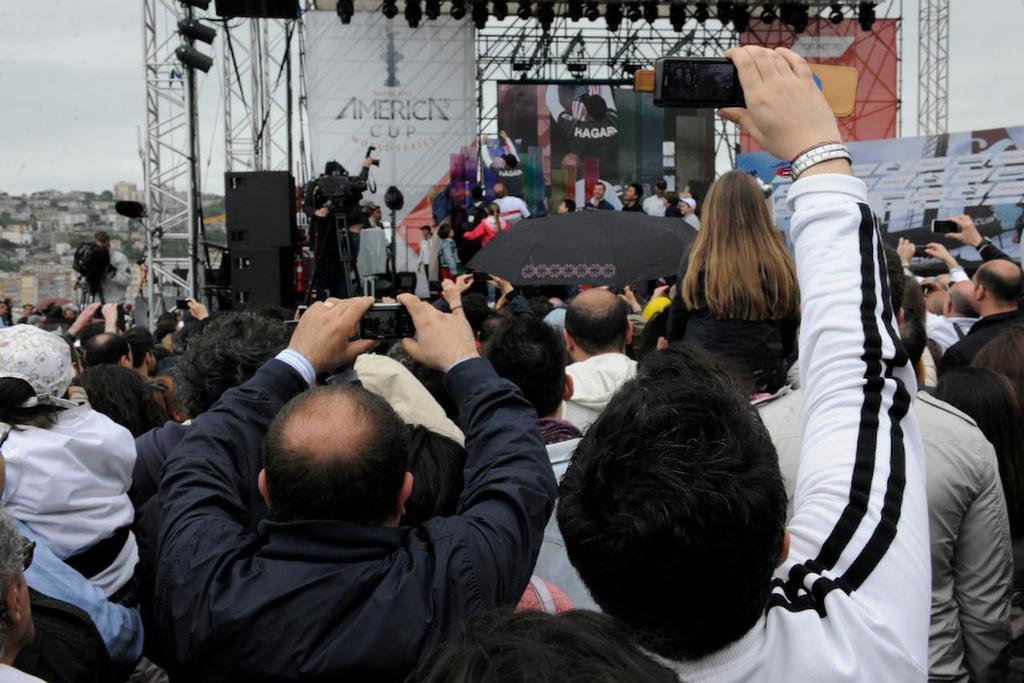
[257,81]
[167,158]
[933,68]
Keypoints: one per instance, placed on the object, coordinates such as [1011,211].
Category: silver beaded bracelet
[826,151]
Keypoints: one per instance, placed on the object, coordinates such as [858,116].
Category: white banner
[411,93]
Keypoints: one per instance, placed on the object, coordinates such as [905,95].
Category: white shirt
[513,209]
[944,330]
[692,220]
[8,674]
[69,485]
[653,206]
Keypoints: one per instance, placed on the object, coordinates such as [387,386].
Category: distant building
[128,192]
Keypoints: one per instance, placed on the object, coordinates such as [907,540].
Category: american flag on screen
[579,110]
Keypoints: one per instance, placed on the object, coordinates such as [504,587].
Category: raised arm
[509,489]
[859,532]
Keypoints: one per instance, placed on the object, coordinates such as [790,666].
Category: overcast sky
[71,89]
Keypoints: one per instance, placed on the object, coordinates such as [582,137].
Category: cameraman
[326,215]
[105,271]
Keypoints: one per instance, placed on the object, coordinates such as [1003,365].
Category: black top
[982,332]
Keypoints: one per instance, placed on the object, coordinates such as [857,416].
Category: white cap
[689,201]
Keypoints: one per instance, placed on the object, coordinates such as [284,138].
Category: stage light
[677,16]
[593,11]
[836,14]
[192,29]
[741,18]
[524,12]
[701,13]
[613,16]
[390,9]
[725,11]
[650,12]
[574,10]
[458,10]
[866,15]
[479,13]
[189,56]
[786,12]
[198,4]
[633,11]
[499,8]
[413,13]
[345,11]
[433,9]
[545,15]
[800,18]
[768,15]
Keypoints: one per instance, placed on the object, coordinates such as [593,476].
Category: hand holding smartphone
[944,227]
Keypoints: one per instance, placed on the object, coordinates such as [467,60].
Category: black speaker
[260,208]
[261,276]
[260,9]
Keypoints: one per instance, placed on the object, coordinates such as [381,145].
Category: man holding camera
[106,272]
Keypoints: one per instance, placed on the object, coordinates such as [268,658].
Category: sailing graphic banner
[410,93]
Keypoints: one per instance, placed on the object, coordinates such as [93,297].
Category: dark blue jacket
[321,600]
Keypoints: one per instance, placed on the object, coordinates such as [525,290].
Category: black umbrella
[587,248]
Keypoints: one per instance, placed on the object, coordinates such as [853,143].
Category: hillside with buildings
[39,233]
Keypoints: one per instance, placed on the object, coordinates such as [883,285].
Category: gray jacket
[115,282]
[972,563]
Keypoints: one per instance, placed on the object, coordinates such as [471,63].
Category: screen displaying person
[506,164]
[588,117]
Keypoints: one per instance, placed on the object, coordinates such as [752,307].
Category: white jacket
[69,485]
[115,283]
[852,600]
[972,560]
[594,381]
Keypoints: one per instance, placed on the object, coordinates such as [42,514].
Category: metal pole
[195,211]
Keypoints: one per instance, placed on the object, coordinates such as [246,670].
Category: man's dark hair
[436,463]
[360,486]
[166,324]
[106,348]
[511,160]
[476,309]
[896,279]
[540,306]
[570,204]
[531,354]
[660,184]
[224,353]
[601,330]
[1004,287]
[502,646]
[123,396]
[673,508]
[638,188]
[141,342]
[102,237]
[477,193]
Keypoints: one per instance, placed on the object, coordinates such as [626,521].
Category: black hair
[14,392]
[181,338]
[444,231]
[661,184]
[914,337]
[540,306]
[166,324]
[511,160]
[531,354]
[474,305]
[897,280]
[360,486]
[105,348]
[600,331]
[638,188]
[673,508]
[570,204]
[502,646]
[225,353]
[436,463]
[1004,288]
[477,193]
[123,396]
[991,400]
[141,342]
[647,343]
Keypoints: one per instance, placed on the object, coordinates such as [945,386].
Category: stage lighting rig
[650,11]
[866,15]
[191,57]
[800,18]
[458,10]
[768,15]
[345,11]
[524,12]
[574,10]
[613,16]
[593,12]
[479,13]
[633,12]
[725,11]
[835,13]
[390,9]
[741,17]
[194,30]
[499,8]
[677,16]
[574,55]
[198,4]
[413,13]
[700,13]
[545,15]
[433,9]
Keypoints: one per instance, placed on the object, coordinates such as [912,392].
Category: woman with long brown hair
[738,295]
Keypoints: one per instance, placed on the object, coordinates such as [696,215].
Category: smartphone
[300,310]
[386,321]
[480,280]
[944,227]
[919,251]
[181,304]
[697,82]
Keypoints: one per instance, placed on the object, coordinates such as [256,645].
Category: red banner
[874,54]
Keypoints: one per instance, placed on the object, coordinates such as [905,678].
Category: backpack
[91,262]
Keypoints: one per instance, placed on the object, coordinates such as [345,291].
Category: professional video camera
[336,190]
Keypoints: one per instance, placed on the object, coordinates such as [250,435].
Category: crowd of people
[787,465]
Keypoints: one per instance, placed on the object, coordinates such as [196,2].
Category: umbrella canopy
[587,248]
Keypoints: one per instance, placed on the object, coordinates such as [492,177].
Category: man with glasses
[18,632]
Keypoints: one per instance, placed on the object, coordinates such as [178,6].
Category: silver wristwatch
[826,151]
